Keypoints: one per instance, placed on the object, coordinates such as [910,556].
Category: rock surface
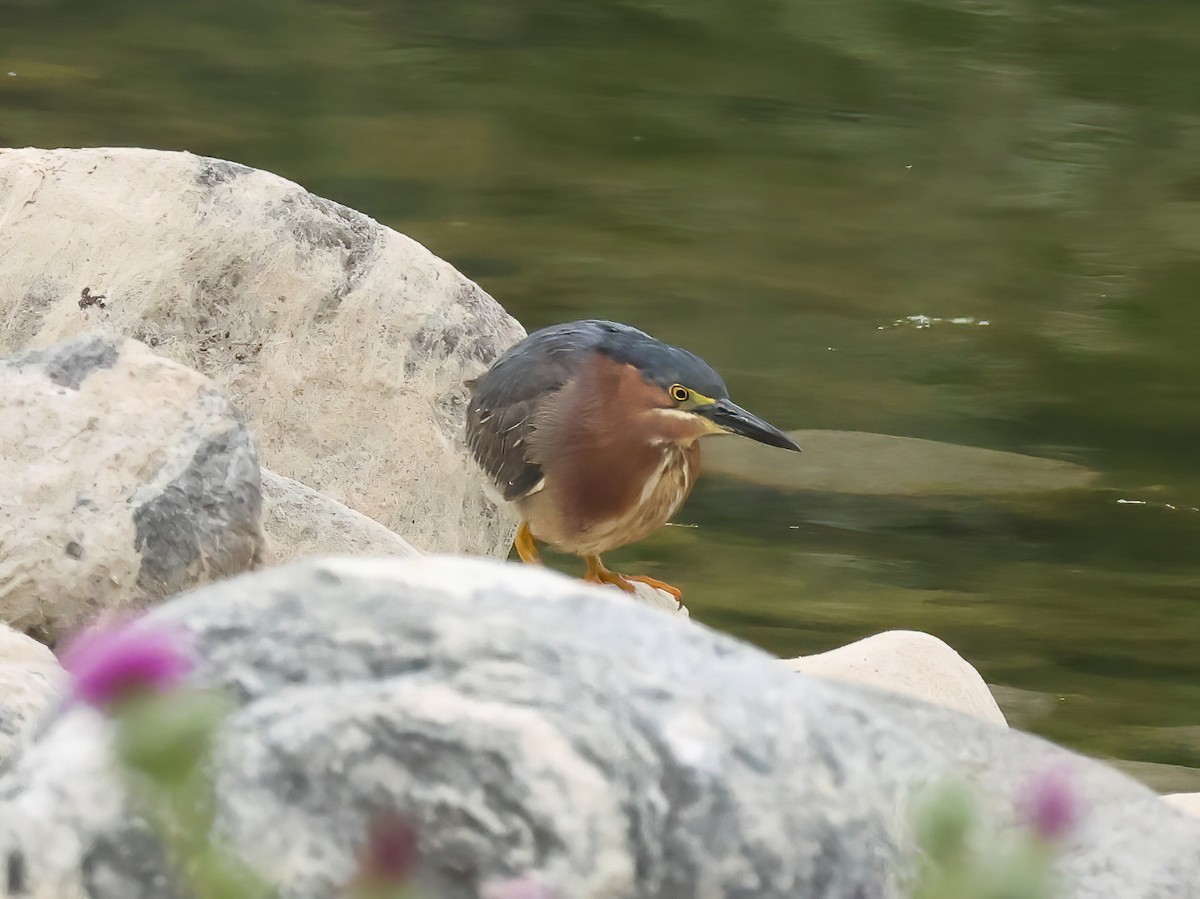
[345,343]
[535,726]
[1159,777]
[300,522]
[126,478]
[655,599]
[30,681]
[1185,802]
[910,663]
[303,523]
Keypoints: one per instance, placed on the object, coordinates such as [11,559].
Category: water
[775,186]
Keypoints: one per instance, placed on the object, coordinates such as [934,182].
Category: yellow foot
[657,585]
[526,546]
[598,574]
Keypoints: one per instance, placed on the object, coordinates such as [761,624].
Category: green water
[774,185]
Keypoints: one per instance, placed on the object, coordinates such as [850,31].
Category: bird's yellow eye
[679,393]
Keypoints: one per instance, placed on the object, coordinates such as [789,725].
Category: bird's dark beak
[731,417]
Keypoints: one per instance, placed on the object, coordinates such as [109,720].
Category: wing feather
[508,398]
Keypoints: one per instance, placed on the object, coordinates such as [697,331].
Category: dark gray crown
[660,363]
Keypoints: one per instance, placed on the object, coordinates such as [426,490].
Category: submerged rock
[344,343]
[883,465]
[534,727]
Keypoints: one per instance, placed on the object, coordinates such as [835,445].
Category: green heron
[591,430]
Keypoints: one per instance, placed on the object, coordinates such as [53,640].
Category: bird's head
[693,394]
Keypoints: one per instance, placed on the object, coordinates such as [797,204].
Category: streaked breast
[665,489]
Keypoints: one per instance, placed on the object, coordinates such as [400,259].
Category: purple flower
[117,660]
[1050,805]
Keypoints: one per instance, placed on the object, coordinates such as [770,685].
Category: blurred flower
[1050,804]
[117,661]
[388,858]
[517,888]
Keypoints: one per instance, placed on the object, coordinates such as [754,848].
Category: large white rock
[344,343]
[908,662]
[531,725]
[30,681]
[126,478]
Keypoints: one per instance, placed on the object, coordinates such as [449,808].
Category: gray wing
[508,397]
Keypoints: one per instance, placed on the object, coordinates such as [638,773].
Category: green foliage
[166,737]
[163,743]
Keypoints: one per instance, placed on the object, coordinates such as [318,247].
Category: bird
[591,430]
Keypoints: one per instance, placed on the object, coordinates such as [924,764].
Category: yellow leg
[598,574]
[526,546]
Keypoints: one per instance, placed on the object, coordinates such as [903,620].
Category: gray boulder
[345,344]
[531,724]
[126,478]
